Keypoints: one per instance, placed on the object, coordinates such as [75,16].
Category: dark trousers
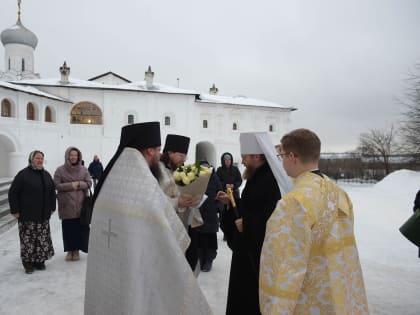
[207,247]
[75,235]
[192,251]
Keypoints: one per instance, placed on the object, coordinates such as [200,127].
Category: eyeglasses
[285,154]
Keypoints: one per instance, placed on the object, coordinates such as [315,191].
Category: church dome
[19,34]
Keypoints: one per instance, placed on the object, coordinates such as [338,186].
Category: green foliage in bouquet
[185,175]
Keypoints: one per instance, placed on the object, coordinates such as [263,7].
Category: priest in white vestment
[136,262]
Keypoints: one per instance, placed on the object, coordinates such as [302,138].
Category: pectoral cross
[109,233]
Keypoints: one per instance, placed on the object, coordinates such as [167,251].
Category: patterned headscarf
[31,158]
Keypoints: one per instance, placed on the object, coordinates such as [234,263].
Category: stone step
[4,211]
[5,180]
[4,200]
[4,189]
[6,222]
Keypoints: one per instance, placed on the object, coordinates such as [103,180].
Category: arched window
[30,111]
[271,128]
[130,119]
[6,108]
[234,126]
[205,123]
[86,113]
[48,114]
[167,121]
[23,64]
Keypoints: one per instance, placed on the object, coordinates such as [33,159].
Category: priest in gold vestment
[309,261]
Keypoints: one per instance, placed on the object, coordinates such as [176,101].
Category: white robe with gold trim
[136,262]
[309,261]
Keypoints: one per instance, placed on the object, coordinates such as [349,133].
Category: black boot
[207,265]
[29,267]
[201,257]
[39,265]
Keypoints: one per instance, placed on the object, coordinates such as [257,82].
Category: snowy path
[390,264]
[60,289]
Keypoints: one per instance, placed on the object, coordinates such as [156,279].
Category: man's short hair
[304,143]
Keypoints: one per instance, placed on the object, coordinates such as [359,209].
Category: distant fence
[358,167]
[6,219]
[357,181]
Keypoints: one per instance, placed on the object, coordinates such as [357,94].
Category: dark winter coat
[70,200]
[211,207]
[258,200]
[417,201]
[32,195]
[417,206]
[230,175]
[96,169]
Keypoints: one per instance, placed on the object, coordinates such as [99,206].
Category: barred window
[167,121]
[130,119]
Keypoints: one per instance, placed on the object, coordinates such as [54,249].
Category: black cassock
[259,198]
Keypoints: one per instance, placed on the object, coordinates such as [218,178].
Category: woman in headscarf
[72,180]
[32,200]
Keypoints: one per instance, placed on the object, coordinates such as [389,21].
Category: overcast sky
[341,63]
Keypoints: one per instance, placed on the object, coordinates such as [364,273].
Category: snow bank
[401,181]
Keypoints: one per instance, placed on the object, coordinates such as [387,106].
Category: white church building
[51,114]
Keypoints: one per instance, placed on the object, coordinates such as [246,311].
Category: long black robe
[417,206]
[259,199]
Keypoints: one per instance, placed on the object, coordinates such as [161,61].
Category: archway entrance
[6,148]
[205,151]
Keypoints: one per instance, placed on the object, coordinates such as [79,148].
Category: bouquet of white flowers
[192,180]
[185,175]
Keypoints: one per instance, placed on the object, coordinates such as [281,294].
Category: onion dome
[19,34]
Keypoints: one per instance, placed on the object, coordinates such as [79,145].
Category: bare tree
[380,144]
[410,130]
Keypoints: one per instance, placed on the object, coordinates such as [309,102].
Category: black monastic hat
[141,136]
[176,143]
[138,136]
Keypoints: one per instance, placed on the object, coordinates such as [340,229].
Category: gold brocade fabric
[309,261]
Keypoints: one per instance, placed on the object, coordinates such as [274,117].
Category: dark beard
[171,166]
[156,171]
[249,172]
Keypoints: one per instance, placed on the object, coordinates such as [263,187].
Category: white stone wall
[17,52]
[185,113]
[19,136]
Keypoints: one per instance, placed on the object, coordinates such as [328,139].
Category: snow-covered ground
[390,264]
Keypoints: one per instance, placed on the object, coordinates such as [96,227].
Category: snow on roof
[158,87]
[109,73]
[135,86]
[57,82]
[31,90]
[239,100]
